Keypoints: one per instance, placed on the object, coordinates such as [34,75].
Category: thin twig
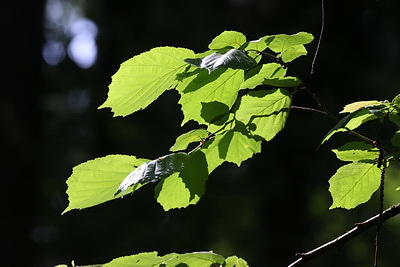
[339,241]
[320,35]
[379,224]
[309,109]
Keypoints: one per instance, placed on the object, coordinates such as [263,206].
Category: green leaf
[227,39]
[359,104]
[234,261]
[196,259]
[155,170]
[220,86]
[183,141]
[185,188]
[394,117]
[151,259]
[254,47]
[145,259]
[356,151]
[95,181]
[289,46]
[287,81]
[236,145]
[396,100]
[353,184]
[211,152]
[292,53]
[351,122]
[265,111]
[396,139]
[172,193]
[234,59]
[259,74]
[143,78]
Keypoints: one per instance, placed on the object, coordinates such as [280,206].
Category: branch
[339,241]
[309,109]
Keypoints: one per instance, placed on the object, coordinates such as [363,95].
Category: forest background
[274,205]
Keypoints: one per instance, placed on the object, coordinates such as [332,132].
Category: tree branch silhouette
[349,235]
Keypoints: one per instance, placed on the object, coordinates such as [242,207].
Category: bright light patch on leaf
[234,59]
[353,184]
[155,170]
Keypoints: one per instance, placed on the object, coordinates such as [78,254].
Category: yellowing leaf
[357,105]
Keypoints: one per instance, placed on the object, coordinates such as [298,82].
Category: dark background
[274,205]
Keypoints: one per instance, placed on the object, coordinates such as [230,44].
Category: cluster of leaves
[195,259]
[355,182]
[233,91]
[240,95]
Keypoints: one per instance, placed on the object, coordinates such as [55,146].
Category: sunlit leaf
[211,151]
[289,46]
[172,193]
[220,86]
[234,261]
[254,47]
[151,259]
[259,74]
[292,53]
[185,188]
[153,171]
[143,78]
[396,100]
[356,151]
[95,181]
[287,81]
[265,111]
[357,105]
[237,146]
[350,122]
[185,139]
[353,184]
[228,39]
